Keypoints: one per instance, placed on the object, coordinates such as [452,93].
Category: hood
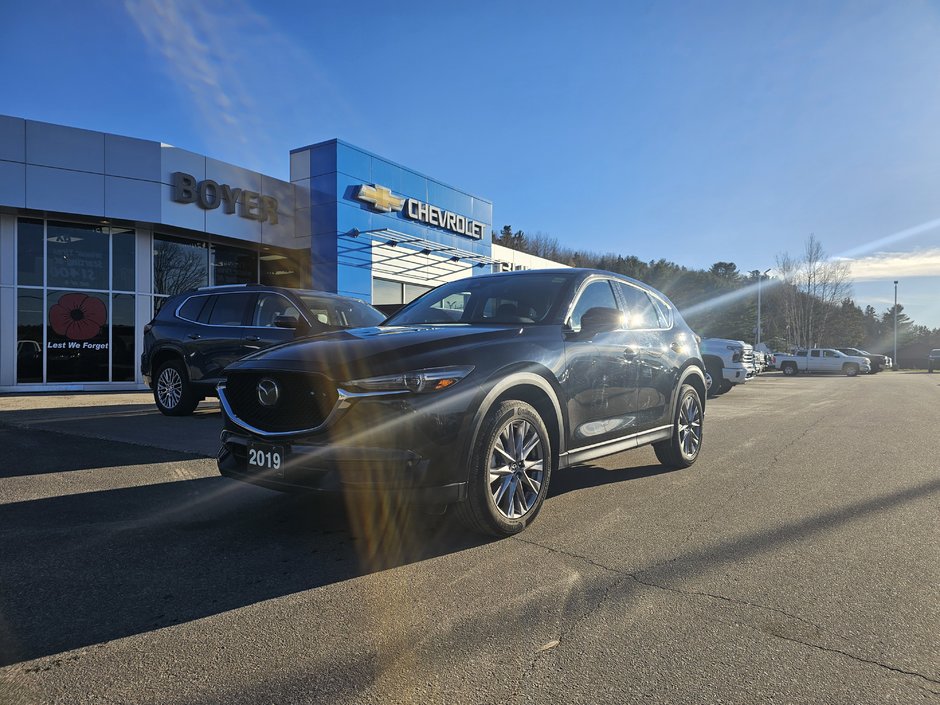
[360,352]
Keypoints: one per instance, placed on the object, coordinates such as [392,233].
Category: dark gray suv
[195,335]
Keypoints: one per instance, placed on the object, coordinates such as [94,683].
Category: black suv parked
[878,362]
[195,335]
[472,394]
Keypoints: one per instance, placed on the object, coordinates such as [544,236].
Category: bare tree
[813,288]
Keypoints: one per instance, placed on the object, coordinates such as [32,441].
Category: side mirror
[285,322]
[601,320]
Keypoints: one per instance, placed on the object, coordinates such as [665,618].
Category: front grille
[304,400]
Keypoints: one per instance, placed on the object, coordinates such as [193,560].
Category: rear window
[229,310]
[193,306]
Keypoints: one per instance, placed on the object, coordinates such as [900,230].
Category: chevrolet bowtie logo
[380,197]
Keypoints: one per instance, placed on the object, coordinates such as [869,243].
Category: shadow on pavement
[140,424]
[582,477]
[88,568]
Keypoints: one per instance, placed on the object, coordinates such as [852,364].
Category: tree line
[806,300]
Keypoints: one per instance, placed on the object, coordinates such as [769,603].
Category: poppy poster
[77,337]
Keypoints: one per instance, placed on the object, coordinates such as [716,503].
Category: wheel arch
[164,355]
[534,389]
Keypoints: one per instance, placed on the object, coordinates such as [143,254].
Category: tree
[725,270]
[813,287]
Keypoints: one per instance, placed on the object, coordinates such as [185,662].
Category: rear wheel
[788,368]
[510,468]
[683,448]
[172,391]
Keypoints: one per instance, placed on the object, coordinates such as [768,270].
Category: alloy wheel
[169,388]
[516,468]
[690,427]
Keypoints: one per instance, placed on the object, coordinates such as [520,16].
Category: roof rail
[228,286]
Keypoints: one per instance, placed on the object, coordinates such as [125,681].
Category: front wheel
[510,468]
[683,448]
[851,370]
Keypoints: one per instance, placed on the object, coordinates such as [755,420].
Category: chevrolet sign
[382,199]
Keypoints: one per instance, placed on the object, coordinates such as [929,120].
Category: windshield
[528,298]
[341,313]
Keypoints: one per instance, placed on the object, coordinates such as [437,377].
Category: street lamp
[759,278]
[895,358]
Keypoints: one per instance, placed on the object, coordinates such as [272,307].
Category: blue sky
[691,131]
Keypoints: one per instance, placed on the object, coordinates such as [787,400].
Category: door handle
[194,336]
[252,338]
[630,352]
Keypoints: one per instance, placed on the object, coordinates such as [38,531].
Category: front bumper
[313,467]
[736,375]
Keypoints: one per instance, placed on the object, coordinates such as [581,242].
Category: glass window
[487,300]
[229,310]
[29,252]
[179,265]
[122,337]
[77,255]
[123,257]
[29,319]
[233,265]
[641,314]
[77,337]
[192,307]
[413,291]
[598,294]
[270,306]
[342,313]
[814,353]
[386,292]
[830,353]
[283,267]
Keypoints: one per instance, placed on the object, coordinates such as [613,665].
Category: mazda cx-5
[472,395]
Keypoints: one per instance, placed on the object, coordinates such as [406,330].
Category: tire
[724,386]
[505,502]
[714,369]
[172,392]
[850,369]
[788,368]
[684,447]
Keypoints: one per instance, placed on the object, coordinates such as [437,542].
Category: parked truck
[727,363]
[822,360]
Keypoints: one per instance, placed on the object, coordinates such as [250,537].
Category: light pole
[760,277]
[895,358]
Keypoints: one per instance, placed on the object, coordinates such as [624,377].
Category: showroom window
[75,302]
[387,292]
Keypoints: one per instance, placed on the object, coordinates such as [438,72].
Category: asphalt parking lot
[796,562]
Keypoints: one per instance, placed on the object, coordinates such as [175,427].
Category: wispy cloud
[896,265]
[242,78]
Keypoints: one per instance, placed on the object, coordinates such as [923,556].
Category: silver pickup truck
[822,360]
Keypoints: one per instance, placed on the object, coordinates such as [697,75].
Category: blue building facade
[346,227]
[116,225]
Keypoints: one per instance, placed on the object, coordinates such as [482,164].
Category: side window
[269,306]
[814,353]
[207,309]
[829,353]
[641,313]
[598,294]
[192,307]
[229,310]
[664,311]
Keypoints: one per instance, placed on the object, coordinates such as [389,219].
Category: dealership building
[97,230]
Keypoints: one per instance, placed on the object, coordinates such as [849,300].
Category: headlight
[419,381]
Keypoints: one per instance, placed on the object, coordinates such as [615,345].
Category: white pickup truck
[727,363]
[822,360]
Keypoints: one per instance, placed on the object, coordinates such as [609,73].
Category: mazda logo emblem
[268,392]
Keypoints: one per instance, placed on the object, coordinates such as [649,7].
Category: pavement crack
[854,657]
[736,601]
